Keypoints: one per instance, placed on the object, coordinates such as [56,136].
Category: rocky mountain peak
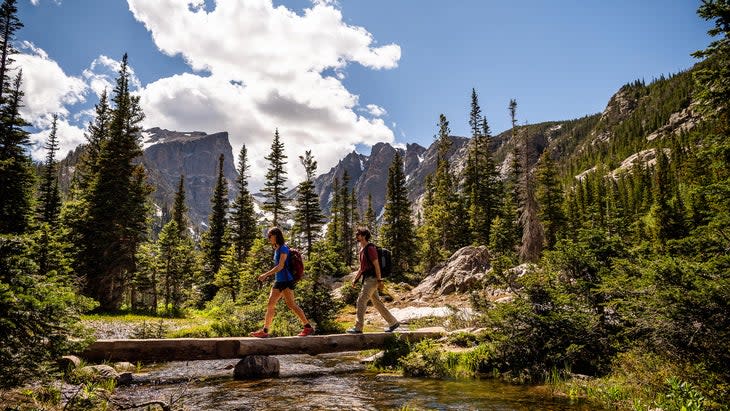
[170,154]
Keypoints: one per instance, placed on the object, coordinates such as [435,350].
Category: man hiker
[372,281]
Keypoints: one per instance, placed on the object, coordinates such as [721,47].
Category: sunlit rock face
[170,154]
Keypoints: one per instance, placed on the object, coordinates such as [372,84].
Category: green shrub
[426,359]
[681,396]
[349,293]
[38,313]
[395,349]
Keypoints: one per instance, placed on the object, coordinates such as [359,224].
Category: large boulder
[459,274]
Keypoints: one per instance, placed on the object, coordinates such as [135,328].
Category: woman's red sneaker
[260,334]
[306,331]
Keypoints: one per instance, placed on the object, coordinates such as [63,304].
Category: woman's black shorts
[282,285]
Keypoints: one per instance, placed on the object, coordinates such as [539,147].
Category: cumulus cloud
[257,68]
[68,136]
[47,88]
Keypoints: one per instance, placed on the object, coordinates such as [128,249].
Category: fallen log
[184,349]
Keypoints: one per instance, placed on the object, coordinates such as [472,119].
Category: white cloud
[67,135]
[36,2]
[261,67]
[375,110]
[47,88]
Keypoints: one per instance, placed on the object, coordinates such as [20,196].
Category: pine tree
[481,179]
[113,219]
[214,241]
[49,205]
[516,170]
[98,132]
[9,24]
[333,227]
[666,213]
[308,216]
[444,213]
[549,199]
[713,93]
[370,219]
[228,278]
[274,187]
[346,237]
[243,218]
[397,232]
[177,265]
[16,174]
[179,208]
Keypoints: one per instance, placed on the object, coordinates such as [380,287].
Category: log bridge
[254,352]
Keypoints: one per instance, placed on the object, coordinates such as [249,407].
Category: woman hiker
[371,283]
[283,286]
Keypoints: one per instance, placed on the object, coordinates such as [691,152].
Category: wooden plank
[183,349]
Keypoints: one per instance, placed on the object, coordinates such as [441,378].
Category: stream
[327,382]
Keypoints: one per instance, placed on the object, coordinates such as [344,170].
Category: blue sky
[334,76]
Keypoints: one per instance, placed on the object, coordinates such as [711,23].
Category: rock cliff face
[169,154]
[369,174]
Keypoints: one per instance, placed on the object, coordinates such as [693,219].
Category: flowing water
[326,382]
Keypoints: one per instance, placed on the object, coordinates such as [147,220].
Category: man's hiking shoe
[260,334]
[306,331]
[354,330]
[391,328]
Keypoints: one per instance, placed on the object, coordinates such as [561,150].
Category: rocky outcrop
[369,174]
[169,154]
[459,274]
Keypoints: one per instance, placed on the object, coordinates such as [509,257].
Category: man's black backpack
[385,258]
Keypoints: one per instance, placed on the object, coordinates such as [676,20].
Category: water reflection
[327,382]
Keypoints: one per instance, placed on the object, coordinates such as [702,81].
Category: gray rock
[124,366]
[459,274]
[256,366]
[125,378]
[99,372]
[69,362]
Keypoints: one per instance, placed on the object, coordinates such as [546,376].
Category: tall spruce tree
[115,209]
[214,240]
[346,236]
[243,218]
[443,215]
[275,184]
[308,216]
[16,174]
[49,246]
[49,205]
[713,93]
[371,220]
[549,199]
[180,208]
[97,133]
[397,232]
[9,24]
[481,179]
[333,227]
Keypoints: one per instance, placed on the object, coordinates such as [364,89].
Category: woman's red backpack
[296,264]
